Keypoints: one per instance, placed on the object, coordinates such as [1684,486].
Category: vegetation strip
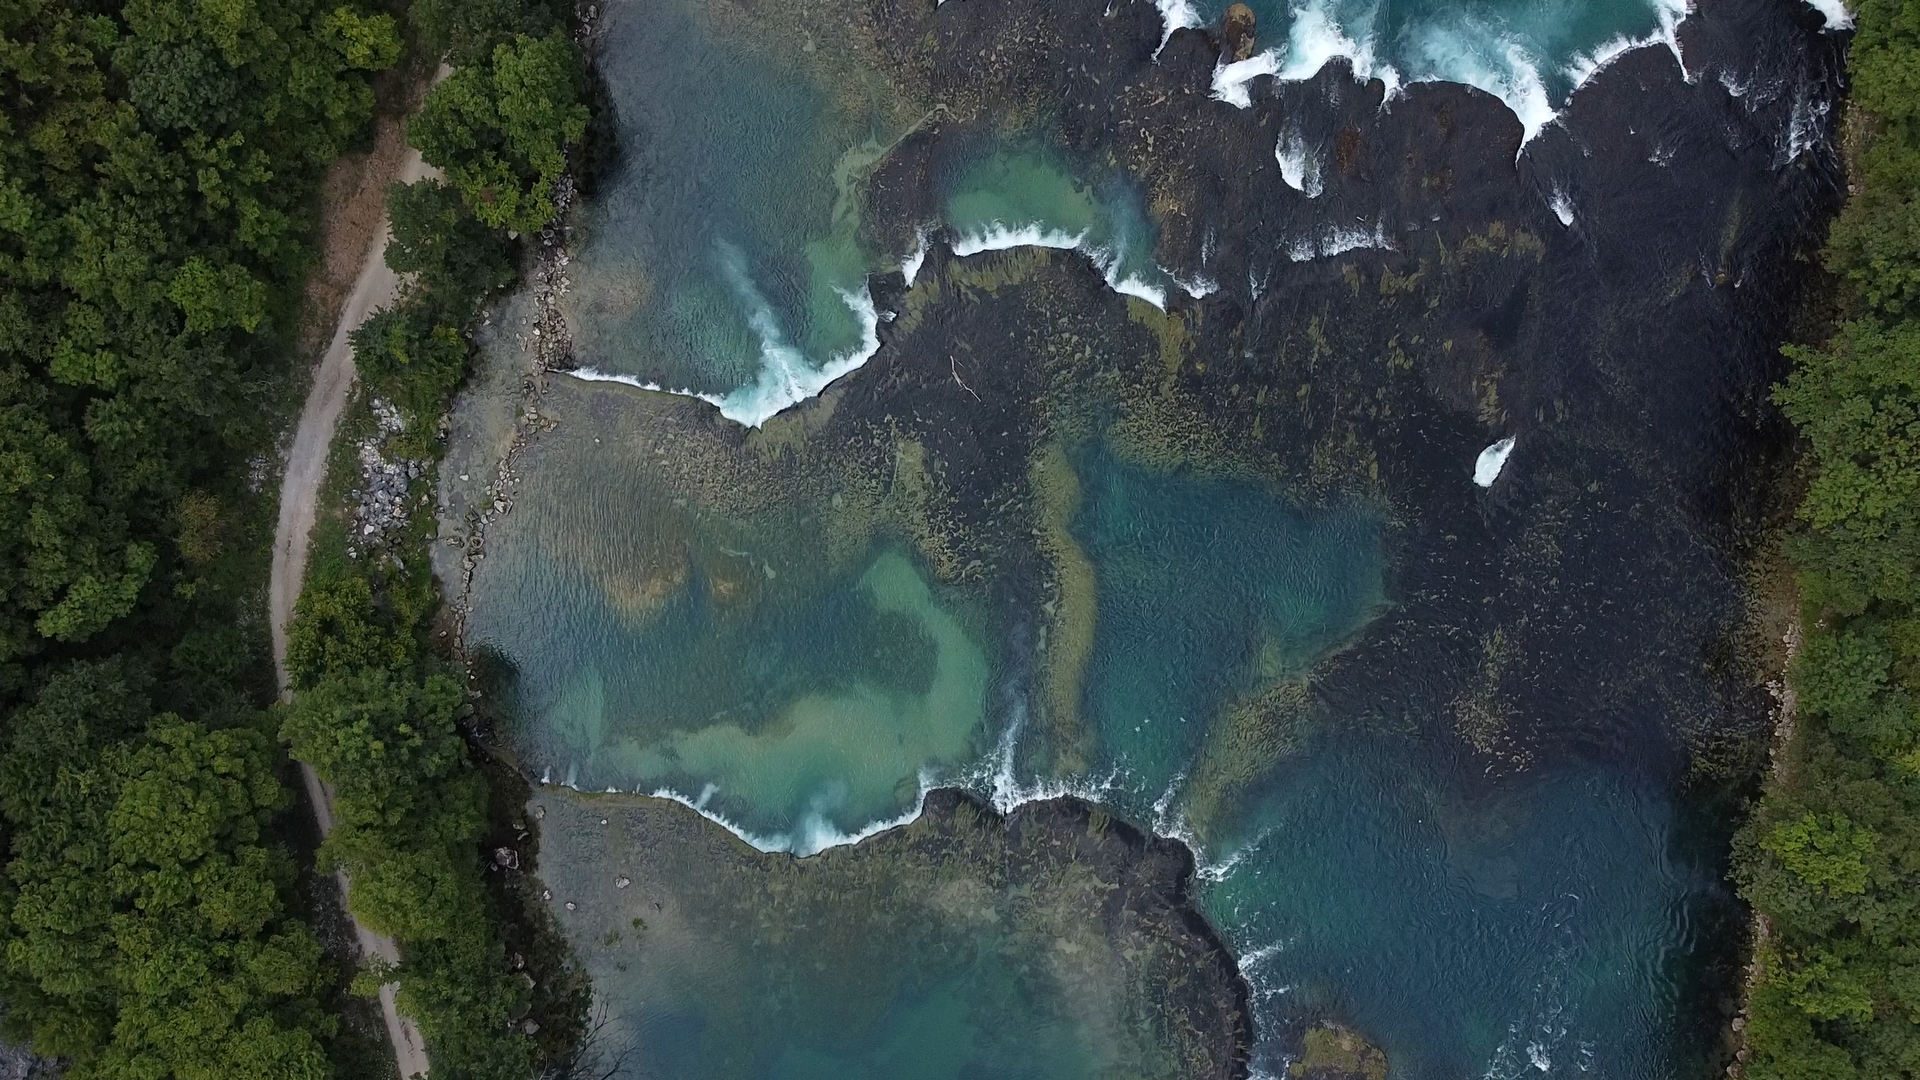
[376,708]
[1831,857]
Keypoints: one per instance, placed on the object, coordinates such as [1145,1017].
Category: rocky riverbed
[1085,924]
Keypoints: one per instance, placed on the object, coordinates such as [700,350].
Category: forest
[160,163]
[1831,857]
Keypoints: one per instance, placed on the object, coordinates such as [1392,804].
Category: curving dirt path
[299,496]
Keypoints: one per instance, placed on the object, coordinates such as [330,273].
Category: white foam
[1221,869]
[1314,39]
[785,377]
[1455,52]
[1174,15]
[1806,127]
[1254,957]
[1339,241]
[594,374]
[1134,286]
[1587,65]
[1198,286]
[1299,166]
[1452,51]
[1164,821]
[814,834]
[1670,14]
[1835,12]
[1230,80]
[1486,467]
[1004,788]
[1264,985]
[911,266]
[994,778]
[1562,204]
[1000,236]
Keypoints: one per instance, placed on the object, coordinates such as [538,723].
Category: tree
[338,629]
[452,255]
[1857,402]
[499,129]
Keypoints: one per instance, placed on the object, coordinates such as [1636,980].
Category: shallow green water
[1465,924]
[1019,192]
[659,647]
[721,247]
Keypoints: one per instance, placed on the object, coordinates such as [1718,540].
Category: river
[1344,461]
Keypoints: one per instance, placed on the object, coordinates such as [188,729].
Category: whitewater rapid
[1460,48]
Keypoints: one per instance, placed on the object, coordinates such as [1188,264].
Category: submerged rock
[1054,937]
[1335,1053]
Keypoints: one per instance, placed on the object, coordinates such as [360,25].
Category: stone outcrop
[1236,32]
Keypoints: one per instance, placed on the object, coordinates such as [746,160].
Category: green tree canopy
[499,128]
[147,936]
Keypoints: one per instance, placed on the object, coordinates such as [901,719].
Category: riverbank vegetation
[160,163]
[1831,858]
[378,707]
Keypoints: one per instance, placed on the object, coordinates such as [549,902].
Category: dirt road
[299,495]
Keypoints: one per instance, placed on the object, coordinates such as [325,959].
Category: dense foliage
[147,933]
[156,159]
[158,164]
[375,713]
[159,161]
[376,710]
[1832,856]
[497,127]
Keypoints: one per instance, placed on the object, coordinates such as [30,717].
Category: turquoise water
[720,254]
[739,660]
[797,717]
[1021,192]
[1210,592]
[1535,923]
[723,253]
[951,949]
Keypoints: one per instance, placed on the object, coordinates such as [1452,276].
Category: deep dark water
[1461,762]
